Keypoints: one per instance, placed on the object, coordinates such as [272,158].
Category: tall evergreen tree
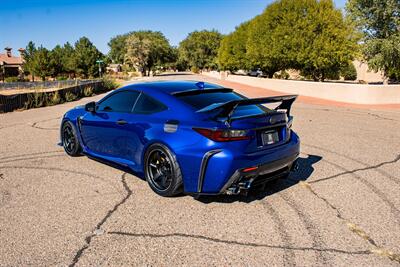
[85,57]
[41,65]
[28,59]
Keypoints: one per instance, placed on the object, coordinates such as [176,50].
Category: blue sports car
[189,136]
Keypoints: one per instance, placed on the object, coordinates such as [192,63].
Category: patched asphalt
[342,207]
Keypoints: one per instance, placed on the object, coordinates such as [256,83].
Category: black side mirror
[90,107]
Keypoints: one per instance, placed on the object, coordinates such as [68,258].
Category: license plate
[270,137]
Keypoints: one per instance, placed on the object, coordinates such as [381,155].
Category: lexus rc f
[187,136]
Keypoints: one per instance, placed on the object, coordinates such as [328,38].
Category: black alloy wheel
[69,140]
[162,171]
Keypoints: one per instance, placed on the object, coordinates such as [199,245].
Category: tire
[70,140]
[162,171]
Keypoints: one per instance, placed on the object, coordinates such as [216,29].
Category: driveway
[342,207]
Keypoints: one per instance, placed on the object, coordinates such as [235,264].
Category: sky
[52,22]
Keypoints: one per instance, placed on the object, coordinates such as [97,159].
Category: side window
[148,105]
[119,102]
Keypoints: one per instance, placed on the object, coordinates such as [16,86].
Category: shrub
[109,83]
[36,100]
[88,91]
[195,69]
[61,78]
[281,75]
[11,79]
[54,99]
[348,72]
[69,96]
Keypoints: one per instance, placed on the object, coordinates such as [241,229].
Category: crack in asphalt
[355,228]
[357,170]
[32,154]
[28,158]
[289,256]
[97,229]
[233,242]
[34,125]
[372,187]
[380,117]
[382,172]
[352,226]
[309,226]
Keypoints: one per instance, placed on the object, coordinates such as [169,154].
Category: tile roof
[10,60]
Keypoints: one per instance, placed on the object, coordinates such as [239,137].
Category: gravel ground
[341,208]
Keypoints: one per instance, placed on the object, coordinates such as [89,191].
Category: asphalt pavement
[342,207]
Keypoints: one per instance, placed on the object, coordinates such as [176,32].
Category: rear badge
[270,137]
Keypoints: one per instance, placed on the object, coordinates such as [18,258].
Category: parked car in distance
[241,72]
[256,73]
[187,136]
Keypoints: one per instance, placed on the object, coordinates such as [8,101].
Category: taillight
[223,135]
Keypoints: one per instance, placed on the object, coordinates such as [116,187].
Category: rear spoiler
[225,110]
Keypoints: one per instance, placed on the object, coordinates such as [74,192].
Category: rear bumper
[222,170]
[242,180]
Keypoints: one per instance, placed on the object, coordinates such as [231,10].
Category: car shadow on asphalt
[303,172]
[140,175]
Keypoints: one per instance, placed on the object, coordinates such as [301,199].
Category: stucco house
[10,65]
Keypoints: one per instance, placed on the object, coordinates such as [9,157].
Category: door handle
[121,122]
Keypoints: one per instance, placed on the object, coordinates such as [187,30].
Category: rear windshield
[200,101]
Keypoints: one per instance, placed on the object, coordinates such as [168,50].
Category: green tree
[200,49]
[232,54]
[85,57]
[172,60]
[62,60]
[308,35]
[56,61]
[28,59]
[147,51]
[379,20]
[348,72]
[118,48]
[332,42]
[265,49]
[40,64]
[68,59]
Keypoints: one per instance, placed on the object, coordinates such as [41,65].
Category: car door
[146,119]
[107,131]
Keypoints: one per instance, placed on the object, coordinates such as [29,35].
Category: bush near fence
[40,99]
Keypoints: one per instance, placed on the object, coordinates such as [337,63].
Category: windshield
[200,101]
